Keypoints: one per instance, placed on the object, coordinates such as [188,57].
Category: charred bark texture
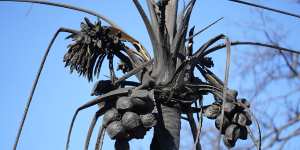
[167,132]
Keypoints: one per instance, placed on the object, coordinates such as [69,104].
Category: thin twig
[267,8]
[257,143]
[293,70]
[199,127]
[228,53]
[194,130]
[252,136]
[35,82]
[68,6]
[134,71]
[95,101]
[91,129]
[100,138]
[235,43]
[204,29]
[29,10]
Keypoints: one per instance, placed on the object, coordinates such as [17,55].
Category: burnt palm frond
[182,28]
[204,29]
[153,11]
[113,26]
[90,47]
[171,17]
[35,82]
[162,16]
[250,43]
[156,44]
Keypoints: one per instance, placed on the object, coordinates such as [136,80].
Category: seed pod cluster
[131,117]
[235,120]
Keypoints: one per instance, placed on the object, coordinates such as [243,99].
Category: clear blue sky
[23,39]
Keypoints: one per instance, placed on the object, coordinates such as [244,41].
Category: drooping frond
[68,6]
[249,43]
[35,82]
[266,8]
[91,46]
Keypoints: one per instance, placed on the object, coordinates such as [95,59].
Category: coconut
[232,133]
[148,120]
[116,130]
[228,143]
[244,101]
[141,105]
[212,111]
[226,123]
[131,120]
[124,104]
[230,108]
[109,116]
[242,119]
[231,95]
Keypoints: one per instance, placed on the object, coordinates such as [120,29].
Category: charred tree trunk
[167,132]
[164,20]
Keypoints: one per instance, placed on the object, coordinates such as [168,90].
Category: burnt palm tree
[166,88]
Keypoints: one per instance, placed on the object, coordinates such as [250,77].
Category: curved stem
[204,47]
[194,130]
[91,129]
[134,71]
[227,66]
[204,29]
[57,4]
[36,82]
[267,8]
[200,121]
[213,49]
[100,138]
[257,143]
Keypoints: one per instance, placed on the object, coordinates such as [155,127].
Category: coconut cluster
[233,125]
[131,117]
